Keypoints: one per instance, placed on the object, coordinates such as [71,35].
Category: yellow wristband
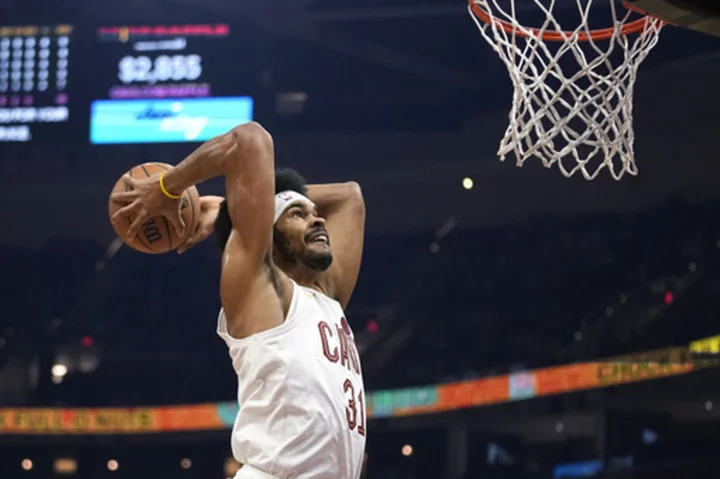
[165,191]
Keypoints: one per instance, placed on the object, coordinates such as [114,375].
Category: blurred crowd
[474,303]
[552,291]
[470,304]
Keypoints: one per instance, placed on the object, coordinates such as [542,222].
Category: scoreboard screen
[158,62]
[125,84]
[34,79]
[168,84]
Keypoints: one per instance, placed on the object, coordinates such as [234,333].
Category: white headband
[286,199]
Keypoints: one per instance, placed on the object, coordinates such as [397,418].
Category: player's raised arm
[343,207]
[245,157]
[209,209]
[239,150]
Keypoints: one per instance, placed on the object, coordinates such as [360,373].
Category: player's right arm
[245,156]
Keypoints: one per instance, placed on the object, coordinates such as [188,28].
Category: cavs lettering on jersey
[301,393]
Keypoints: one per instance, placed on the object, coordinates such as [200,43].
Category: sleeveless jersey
[301,394]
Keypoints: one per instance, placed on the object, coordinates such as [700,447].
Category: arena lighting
[649,436]
[26,464]
[65,466]
[59,370]
[468,183]
[186,463]
[708,405]
[87,341]
[112,465]
[58,373]
[407,450]
[290,103]
[669,298]
[372,326]
[231,467]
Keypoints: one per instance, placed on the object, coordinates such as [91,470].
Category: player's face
[301,238]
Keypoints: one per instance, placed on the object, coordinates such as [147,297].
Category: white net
[573,100]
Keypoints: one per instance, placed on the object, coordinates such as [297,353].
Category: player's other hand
[144,199]
[209,207]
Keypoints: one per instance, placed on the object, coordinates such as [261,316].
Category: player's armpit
[343,207]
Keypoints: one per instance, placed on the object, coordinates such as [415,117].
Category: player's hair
[289,179]
[285,179]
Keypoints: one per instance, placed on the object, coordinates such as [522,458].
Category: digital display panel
[34,80]
[168,84]
[166,121]
[122,84]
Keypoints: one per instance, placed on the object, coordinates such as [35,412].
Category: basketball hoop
[573,99]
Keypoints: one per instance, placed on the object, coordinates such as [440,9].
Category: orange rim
[600,34]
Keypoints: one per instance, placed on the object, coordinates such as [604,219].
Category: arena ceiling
[382,51]
[362,64]
[402,95]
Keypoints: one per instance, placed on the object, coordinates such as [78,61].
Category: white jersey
[301,393]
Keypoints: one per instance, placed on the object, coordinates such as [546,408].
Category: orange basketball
[157,234]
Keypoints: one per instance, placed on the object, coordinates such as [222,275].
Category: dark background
[529,269]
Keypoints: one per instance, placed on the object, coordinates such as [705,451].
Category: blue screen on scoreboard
[168,120]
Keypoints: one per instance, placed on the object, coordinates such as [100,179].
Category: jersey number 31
[355,411]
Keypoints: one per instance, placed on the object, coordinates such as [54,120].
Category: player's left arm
[343,207]
[209,208]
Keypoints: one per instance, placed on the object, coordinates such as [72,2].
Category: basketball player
[283,290]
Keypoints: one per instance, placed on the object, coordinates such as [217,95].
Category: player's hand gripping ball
[145,218]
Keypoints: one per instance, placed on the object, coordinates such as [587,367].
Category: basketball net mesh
[573,100]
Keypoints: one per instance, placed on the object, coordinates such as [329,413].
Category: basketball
[157,235]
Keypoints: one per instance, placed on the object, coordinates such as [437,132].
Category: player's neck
[303,275]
